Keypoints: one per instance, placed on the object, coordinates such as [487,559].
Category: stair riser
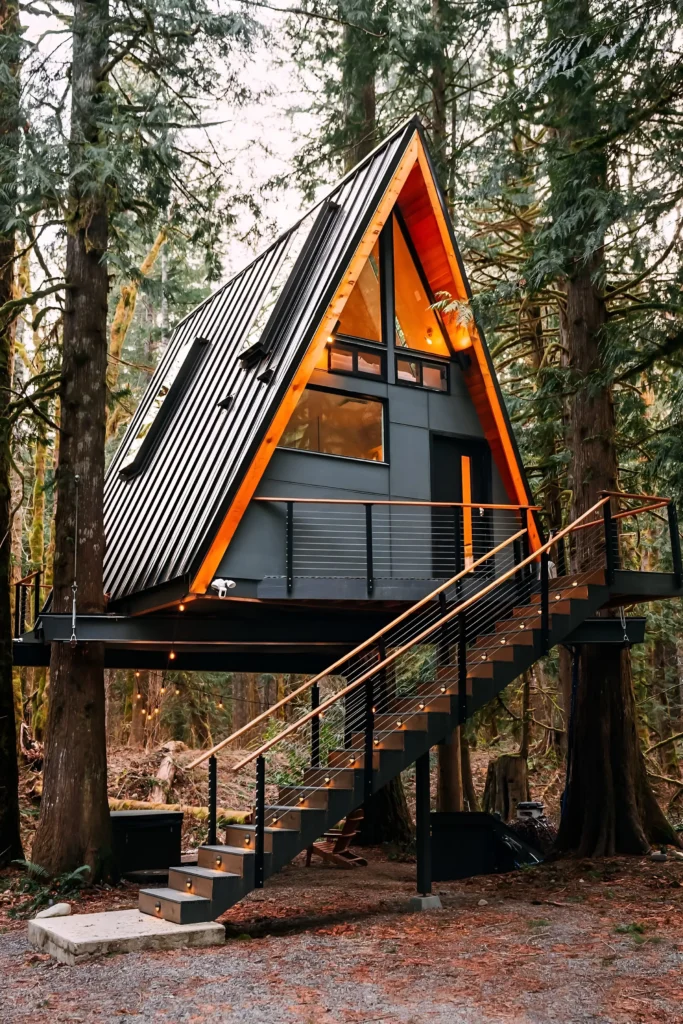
[230,862]
[387,741]
[293,795]
[222,892]
[415,721]
[432,704]
[338,779]
[177,913]
[234,836]
[343,759]
[502,652]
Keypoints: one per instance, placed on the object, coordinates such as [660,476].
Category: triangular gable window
[417,325]
[362,316]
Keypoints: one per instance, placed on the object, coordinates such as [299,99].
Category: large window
[336,424]
[361,317]
[417,326]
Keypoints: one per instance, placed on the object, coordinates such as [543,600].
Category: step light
[247,840]
[181,607]
[376,742]
[302,799]
[399,724]
[352,760]
[443,689]
[219,861]
[188,883]
[157,907]
[421,707]
[328,779]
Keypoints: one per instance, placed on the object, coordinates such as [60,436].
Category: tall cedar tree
[609,805]
[74,825]
[10,842]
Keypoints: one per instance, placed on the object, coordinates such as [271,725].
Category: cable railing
[382,540]
[341,719]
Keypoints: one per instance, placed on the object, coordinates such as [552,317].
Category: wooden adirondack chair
[333,848]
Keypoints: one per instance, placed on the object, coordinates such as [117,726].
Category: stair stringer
[287,843]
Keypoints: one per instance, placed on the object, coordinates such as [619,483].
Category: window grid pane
[335,424]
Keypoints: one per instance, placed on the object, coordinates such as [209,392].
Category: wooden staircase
[406,728]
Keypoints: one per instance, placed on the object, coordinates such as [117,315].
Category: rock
[56,910]
[483,903]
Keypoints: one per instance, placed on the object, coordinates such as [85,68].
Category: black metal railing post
[462,667]
[22,608]
[315,727]
[560,556]
[368,787]
[610,553]
[260,822]
[36,596]
[459,540]
[423,842]
[545,604]
[675,543]
[213,800]
[370,570]
[289,546]
[443,654]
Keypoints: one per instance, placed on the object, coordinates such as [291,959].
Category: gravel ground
[572,943]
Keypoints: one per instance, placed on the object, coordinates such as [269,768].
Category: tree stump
[507,784]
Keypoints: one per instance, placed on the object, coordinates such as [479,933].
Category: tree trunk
[609,805]
[74,827]
[386,818]
[358,92]
[449,796]
[506,785]
[10,841]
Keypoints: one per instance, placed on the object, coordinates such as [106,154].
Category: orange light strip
[227,529]
[466,478]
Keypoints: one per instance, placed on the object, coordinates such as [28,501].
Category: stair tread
[205,872]
[252,828]
[219,848]
[176,895]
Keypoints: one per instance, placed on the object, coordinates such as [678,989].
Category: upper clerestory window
[170,388]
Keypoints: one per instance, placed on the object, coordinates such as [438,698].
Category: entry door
[460,472]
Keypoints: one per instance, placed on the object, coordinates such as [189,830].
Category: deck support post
[675,543]
[315,727]
[260,822]
[423,840]
[213,800]
[610,538]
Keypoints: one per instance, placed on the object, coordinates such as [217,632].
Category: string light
[171,656]
[163,690]
[177,691]
[181,607]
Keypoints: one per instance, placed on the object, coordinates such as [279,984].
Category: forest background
[556,129]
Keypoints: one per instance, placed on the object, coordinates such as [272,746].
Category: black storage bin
[474,843]
[146,840]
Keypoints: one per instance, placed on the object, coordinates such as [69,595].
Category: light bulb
[188,883]
[399,723]
[247,840]
[137,675]
[443,689]
[172,656]
[181,607]
[219,861]
[327,779]
[163,690]
[177,692]
[421,707]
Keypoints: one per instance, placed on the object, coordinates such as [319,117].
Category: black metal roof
[159,521]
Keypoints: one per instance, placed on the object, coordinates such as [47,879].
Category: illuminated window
[348,359]
[417,326]
[336,424]
[168,391]
[424,375]
[361,317]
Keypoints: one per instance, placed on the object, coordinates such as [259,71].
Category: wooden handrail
[357,650]
[419,504]
[416,640]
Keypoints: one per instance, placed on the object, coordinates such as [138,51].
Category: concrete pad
[82,937]
[425,903]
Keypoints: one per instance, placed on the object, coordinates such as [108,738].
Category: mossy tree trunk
[10,841]
[74,827]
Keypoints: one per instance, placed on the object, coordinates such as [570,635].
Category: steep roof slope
[159,521]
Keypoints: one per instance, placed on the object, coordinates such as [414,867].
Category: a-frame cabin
[322,478]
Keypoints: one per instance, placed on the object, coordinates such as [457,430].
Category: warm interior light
[429,338]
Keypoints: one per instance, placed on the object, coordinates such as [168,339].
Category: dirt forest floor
[572,942]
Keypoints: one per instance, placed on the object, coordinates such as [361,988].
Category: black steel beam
[607,631]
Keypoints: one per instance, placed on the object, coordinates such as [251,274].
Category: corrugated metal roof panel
[158,522]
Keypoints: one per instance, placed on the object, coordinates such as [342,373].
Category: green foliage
[35,889]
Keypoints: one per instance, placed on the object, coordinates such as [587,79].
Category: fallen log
[228,817]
